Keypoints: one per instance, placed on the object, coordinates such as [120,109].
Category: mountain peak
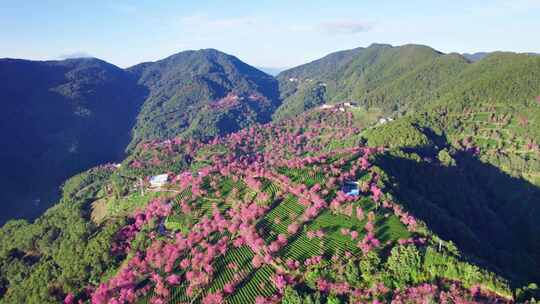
[380,45]
[196,78]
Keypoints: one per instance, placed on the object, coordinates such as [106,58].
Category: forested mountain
[58,118]
[202,94]
[389,80]
[493,106]
[494,110]
[357,75]
[489,107]
[62,117]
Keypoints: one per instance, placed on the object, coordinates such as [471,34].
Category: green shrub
[333,300]
[369,267]
[404,266]
[291,296]
[445,158]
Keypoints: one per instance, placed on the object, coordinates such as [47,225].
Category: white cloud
[334,27]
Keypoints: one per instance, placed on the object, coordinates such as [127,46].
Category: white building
[384,120]
[159,181]
[326,106]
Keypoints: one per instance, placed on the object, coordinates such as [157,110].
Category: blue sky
[270,33]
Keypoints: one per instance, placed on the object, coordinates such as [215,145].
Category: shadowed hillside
[58,118]
[487,213]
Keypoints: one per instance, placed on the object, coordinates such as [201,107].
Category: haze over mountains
[479,55]
[272,71]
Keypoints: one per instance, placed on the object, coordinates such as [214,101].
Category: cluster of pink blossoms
[407,219]
[369,241]
[315,234]
[255,152]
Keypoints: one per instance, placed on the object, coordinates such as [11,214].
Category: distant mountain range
[473,57]
[272,71]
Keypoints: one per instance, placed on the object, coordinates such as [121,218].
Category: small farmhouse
[159,181]
[384,120]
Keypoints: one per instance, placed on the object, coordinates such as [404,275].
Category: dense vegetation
[255,216]
[470,202]
[489,104]
[377,76]
[400,80]
[202,94]
[448,189]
